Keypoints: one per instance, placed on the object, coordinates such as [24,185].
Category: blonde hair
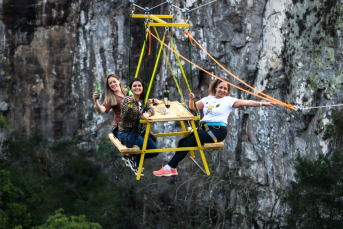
[215,83]
[109,94]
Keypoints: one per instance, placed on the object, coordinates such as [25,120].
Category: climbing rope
[266,97]
[289,106]
[141,56]
[159,5]
[170,67]
[156,64]
[307,108]
[202,5]
[139,6]
[194,8]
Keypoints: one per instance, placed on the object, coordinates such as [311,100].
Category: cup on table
[167,103]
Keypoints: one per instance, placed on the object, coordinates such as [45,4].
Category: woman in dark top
[132,108]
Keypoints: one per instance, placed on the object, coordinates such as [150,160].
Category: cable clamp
[146,10]
[186,11]
[170,3]
[132,6]
[297,108]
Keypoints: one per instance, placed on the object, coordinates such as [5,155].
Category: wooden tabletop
[176,112]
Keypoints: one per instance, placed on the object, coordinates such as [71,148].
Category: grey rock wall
[53,52]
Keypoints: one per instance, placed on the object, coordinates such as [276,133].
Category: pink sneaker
[162,173]
[174,172]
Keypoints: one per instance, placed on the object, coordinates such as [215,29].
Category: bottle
[97,90]
[130,94]
[166,93]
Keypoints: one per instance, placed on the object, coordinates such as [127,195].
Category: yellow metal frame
[184,132]
[159,21]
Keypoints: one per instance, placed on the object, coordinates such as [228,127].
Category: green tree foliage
[61,221]
[316,198]
[12,210]
[4,122]
[48,177]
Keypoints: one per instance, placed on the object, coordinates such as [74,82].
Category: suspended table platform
[176,112]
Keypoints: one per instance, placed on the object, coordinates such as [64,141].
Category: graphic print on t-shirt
[211,106]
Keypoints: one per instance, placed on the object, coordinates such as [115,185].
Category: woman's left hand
[145,116]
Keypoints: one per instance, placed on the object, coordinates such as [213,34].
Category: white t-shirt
[217,110]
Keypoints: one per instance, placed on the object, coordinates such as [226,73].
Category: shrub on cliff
[316,198]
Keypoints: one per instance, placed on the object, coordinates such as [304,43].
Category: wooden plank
[176,112]
[121,147]
[214,145]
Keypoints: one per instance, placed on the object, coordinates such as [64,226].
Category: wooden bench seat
[217,145]
[135,149]
[123,149]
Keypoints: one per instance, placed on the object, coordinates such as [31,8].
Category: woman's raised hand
[130,99]
[191,96]
[95,96]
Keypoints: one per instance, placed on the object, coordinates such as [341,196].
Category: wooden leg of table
[200,148]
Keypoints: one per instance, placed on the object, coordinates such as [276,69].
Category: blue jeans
[139,142]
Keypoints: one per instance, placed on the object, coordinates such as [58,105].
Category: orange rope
[148,31]
[289,106]
[189,36]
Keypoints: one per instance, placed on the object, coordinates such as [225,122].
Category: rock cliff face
[53,52]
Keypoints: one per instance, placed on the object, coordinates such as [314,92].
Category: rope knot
[290,106]
[148,31]
[189,36]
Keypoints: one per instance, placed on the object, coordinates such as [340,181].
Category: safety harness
[205,125]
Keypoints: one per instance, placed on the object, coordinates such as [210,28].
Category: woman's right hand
[130,99]
[191,96]
[95,96]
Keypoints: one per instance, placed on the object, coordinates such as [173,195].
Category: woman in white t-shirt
[216,108]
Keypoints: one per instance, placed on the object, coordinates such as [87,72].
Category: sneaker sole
[163,175]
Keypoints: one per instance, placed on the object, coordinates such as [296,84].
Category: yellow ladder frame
[159,21]
[184,132]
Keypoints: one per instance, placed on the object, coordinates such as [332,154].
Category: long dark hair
[142,96]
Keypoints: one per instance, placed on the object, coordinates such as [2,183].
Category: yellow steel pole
[200,148]
[143,151]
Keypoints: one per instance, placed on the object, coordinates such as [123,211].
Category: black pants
[219,131]
[115,131]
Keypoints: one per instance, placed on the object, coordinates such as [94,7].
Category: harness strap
[210,132]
